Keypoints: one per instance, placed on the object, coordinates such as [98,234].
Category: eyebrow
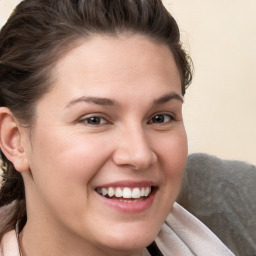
[95,100]
[168,97]
[110,102]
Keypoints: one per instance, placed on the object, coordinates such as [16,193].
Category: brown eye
[163,118]
[95,120]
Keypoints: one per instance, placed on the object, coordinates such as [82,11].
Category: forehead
[107,64]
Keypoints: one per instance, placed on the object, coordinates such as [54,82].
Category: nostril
[134,150]
[154,157]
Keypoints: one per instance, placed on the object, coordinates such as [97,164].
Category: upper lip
[129,183]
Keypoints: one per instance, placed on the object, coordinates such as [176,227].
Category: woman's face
[108,132]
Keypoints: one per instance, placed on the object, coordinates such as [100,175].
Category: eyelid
[84,118]
[170,115]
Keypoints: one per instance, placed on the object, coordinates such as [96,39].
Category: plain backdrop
[220,105]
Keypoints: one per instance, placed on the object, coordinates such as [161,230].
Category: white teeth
[119,192]
[142,192]
[104,191]
[126,192]
[136,193]
[111,192]
[147,191]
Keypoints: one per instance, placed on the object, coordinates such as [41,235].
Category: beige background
[220,105]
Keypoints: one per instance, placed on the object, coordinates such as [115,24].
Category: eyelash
[99,120]
[95,118]
[162,119]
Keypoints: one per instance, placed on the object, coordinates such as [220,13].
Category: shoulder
[213,183]
[221,193]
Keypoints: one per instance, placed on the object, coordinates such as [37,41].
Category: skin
[68,157]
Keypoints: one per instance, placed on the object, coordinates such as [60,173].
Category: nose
[134,150]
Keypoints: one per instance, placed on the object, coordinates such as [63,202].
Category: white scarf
[184,235]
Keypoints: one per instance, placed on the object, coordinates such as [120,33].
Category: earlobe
[10,140]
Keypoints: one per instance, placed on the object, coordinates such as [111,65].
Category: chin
[130,239]
[128,244]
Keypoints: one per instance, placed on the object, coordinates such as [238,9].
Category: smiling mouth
[126,194]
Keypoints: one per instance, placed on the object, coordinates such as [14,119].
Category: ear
[11,140]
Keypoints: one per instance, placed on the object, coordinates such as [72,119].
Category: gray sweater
[222,194]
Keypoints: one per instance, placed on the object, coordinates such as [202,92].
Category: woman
[91,131]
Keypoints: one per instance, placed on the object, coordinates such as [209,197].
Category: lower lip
[131,207]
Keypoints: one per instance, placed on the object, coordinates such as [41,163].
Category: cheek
[63,164]
[174,150]
[62,172]
[69,152]
[173,158]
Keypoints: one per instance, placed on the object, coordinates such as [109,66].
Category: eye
[94,120]
[161,118]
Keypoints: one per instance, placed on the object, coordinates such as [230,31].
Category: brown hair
[36,35]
